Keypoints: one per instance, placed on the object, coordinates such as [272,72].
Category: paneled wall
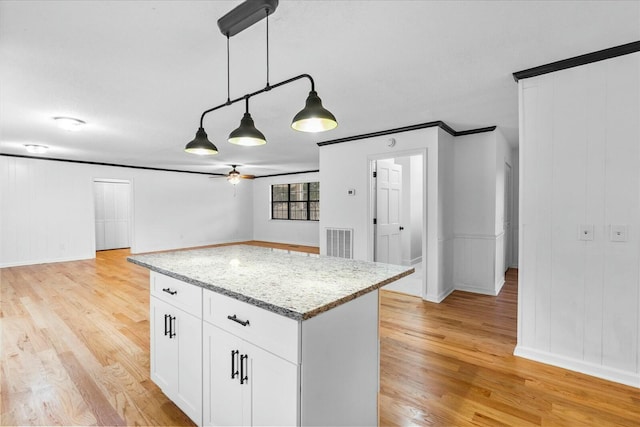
[291,232]
[47,210]
[579,298]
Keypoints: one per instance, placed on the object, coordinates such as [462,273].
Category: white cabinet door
[176,356]
[274,389]
[245,385]
[188,332]
[164,348]
[222,394]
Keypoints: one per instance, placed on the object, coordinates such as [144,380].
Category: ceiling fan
[234,176]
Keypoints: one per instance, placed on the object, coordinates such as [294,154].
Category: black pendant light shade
[201,145]
[314,117]
[247,134]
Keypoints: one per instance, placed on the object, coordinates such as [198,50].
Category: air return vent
[340,242]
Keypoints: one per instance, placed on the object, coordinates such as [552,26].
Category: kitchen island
[245,335]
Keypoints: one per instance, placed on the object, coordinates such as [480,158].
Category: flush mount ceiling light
[313,117]
[36,149]
[69,123]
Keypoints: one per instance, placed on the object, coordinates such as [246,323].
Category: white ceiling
[140,73]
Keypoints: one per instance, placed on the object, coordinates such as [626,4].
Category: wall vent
[340,242]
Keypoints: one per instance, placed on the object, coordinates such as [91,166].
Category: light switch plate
[618,233]
[585,232]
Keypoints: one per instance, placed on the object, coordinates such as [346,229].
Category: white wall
[475,187]
[47,210]
[515,223]
[446,208]
[347,165]
[579,301]
[282,231]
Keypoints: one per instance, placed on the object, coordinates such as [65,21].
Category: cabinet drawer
[270,331]
[180,294]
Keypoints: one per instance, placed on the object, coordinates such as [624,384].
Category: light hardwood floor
[75,351]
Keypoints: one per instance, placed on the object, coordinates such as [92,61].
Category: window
[296,201]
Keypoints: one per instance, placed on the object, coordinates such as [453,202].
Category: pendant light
[201,145]
[247,134]
[314,117]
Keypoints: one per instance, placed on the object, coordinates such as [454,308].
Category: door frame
[429,240]
[130,181]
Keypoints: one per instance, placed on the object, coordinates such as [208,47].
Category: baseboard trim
[440,297]
[475,289]
[47,261]
[499,285]
[610,374]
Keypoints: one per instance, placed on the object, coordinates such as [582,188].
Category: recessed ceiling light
[36,149]
[69,123]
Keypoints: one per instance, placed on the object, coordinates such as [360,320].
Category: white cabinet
[176,347]
[228,362]
[245,384]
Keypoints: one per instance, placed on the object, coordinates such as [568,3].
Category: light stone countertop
[294,284]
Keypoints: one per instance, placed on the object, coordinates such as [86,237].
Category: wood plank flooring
[75,351]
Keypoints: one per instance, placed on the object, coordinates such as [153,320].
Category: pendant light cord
[228,75]
[267,87]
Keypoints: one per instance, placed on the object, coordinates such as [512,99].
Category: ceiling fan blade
[248,176]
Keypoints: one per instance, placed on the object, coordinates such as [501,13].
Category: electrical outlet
[585,232]
[351,192]
[618,233]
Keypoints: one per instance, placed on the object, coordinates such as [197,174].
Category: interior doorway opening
[112,207]
[397,210]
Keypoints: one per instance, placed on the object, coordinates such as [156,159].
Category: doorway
[397,210]
[112,204]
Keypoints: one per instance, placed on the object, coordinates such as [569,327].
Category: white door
[112,214]
[388,200]
[222,394]
[187,330]
[273,381]
[164,346]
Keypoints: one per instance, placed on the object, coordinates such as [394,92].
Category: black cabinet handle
[166,329]
[401,228]
[235,319]
[244,375]
[234,357]
[169,291]
[172,320]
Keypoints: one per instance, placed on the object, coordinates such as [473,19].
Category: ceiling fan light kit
[312,118]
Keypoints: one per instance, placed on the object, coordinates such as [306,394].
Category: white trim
[474,289]
[611,374]
[47,261]
[478,236]
[441,297]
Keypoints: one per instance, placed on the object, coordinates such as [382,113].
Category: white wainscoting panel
[475,263]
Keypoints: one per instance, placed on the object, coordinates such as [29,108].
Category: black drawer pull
[235,319]
[169,291]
